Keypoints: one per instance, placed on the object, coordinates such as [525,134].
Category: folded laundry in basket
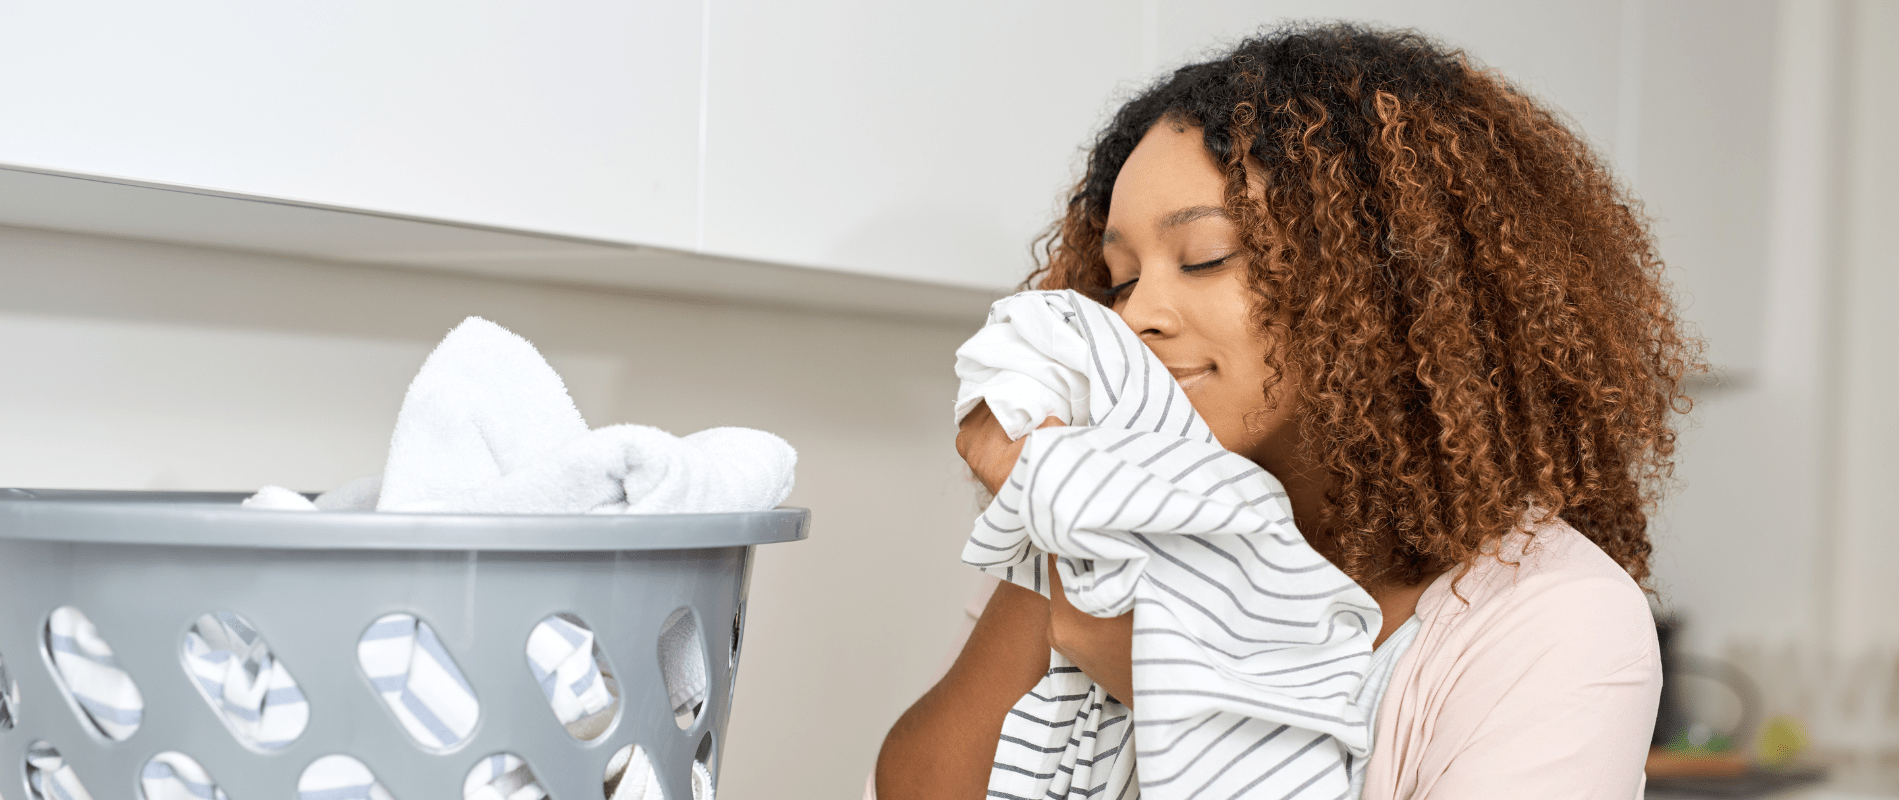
[502,776]
[418,680]
[402,656]
[49,777]
[240,675]
[175,776]
[340,777]
[1250,649]
[92,675]
[561,656]
[487,426]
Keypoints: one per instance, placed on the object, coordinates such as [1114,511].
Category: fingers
[986,447]
[976,428]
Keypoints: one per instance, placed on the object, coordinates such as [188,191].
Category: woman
[1415,296]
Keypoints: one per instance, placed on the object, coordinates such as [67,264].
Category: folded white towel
[279,499]
[683,666]
[357,495]
[487,427]
[1249,647]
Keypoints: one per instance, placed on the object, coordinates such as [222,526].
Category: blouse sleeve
[1558,698]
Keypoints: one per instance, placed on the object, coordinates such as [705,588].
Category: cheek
[1225,400]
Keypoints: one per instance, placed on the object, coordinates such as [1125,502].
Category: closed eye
[1114,292]
[1205,264]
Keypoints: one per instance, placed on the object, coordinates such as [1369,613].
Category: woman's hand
[986,447]
[1102,648]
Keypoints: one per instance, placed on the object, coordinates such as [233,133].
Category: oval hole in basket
[630,776]
[418,680]
[9,697]
[175,776]
[48,776]
[103,695]
[499,777]
[682,664]
[339,776]
[738,631]
[243,682]
[702,761]
[565,658]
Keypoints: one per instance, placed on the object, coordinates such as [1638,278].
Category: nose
[1150,308]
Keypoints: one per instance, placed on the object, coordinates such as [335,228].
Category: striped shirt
[1249,648]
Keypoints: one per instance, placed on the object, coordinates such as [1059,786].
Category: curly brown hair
[1474,305]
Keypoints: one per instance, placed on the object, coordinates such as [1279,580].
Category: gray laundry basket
[145,565]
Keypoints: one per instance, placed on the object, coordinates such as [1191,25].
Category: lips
[1188,377]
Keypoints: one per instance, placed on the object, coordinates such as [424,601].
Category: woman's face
[1179,279]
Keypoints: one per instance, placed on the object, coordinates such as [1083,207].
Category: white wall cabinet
[576,117]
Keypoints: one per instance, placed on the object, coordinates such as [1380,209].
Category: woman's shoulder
[1535,672]
[1549,586]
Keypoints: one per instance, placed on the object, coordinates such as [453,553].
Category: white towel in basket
[1249,647]
[488,427]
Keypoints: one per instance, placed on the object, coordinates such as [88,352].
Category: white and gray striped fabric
[561,656]
[1249,647]
[340,777]
[176,776]
[241,678]
[418,680]
[49,777]
[503,776]
[92,674]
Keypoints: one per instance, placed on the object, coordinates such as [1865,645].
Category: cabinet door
[576,117]
[928,141]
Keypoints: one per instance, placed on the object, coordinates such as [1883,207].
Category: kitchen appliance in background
[1693,756]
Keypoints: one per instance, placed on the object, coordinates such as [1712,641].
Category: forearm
[1102,647]
[944,745]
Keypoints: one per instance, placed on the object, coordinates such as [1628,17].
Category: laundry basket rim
[214,519]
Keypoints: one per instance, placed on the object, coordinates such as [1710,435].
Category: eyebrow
[1172,220]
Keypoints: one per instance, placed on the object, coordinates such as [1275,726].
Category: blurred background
[230,232]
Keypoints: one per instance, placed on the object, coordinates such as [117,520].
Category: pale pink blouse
[1544,684]
[1534,674]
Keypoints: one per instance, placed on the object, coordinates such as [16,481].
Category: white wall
[1775,203]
